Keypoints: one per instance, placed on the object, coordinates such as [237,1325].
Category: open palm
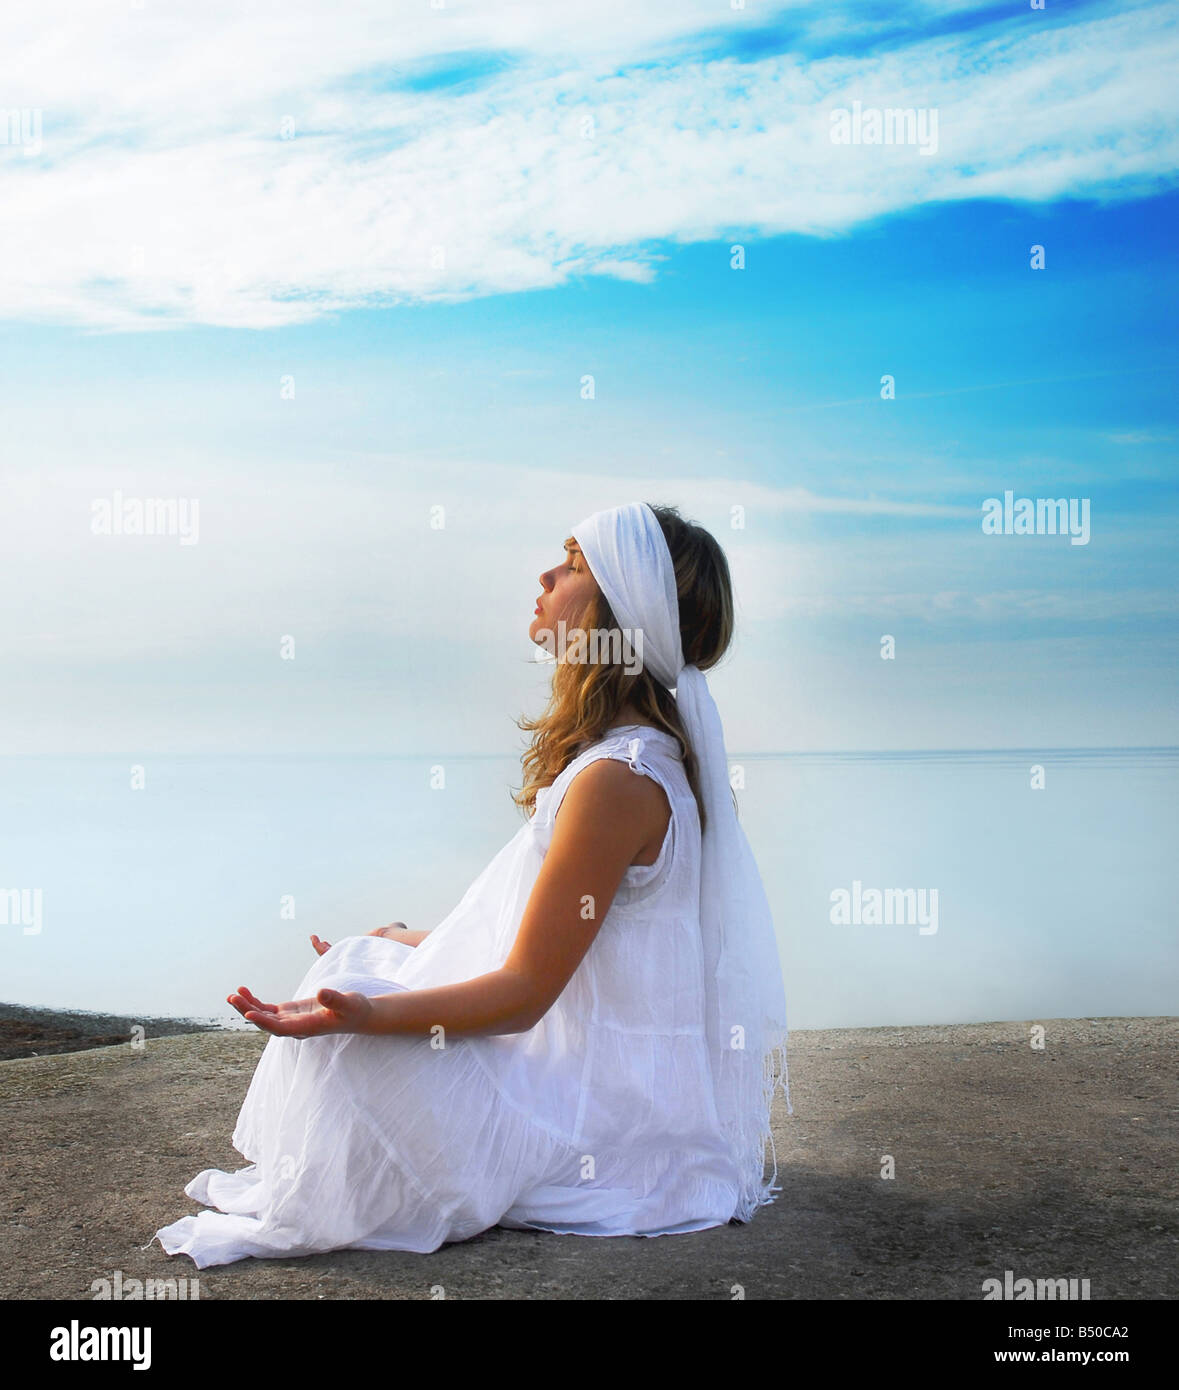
[329,1012]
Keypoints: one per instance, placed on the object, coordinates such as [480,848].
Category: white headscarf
[745,1006]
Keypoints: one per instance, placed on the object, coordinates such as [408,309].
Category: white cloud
[164,195]
[1082,605]
[800,499]
[117,643]
[1140,437]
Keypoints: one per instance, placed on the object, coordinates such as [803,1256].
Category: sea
[923,887]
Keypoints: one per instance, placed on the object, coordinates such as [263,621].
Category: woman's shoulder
[634,741]
[641,747]
[604,771]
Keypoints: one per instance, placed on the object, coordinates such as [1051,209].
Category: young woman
[591,1041]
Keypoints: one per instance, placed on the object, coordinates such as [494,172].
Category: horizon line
[762,753]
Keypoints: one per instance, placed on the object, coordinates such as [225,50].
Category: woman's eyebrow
[573,546]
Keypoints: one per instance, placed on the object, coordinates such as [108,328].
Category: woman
[587,1044]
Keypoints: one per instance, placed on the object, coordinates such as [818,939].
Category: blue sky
[436,223]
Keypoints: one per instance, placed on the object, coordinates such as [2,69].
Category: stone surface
[1053,1164]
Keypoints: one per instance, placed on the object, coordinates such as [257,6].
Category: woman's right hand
[394,931]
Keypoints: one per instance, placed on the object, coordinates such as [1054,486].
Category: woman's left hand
[329,1012]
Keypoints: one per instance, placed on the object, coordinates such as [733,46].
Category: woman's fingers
[301,1019]
[320,946]
[392,931]
[270,1022]
[242,1004]
[353,1009]
[332,999]
[253,1002]
[283,1020]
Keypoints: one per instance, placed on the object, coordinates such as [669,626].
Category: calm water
[1052,902]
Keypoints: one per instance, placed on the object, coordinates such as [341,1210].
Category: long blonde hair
[587,696]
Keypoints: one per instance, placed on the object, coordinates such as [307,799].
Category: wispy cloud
[1140,437]
[768,500]
[1002,606]
[262,167]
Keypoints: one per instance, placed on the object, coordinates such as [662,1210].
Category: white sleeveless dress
[600,1120]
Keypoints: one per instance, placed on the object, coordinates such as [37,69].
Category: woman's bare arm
[398,931]
[607,816]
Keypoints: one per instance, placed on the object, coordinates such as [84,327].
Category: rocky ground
[1051,1163]
[26,1032]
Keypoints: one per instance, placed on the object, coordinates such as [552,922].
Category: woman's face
[567,588]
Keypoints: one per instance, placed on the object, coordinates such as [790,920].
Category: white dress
[600,1120]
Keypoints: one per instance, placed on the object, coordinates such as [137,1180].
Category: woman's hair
[587,696]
